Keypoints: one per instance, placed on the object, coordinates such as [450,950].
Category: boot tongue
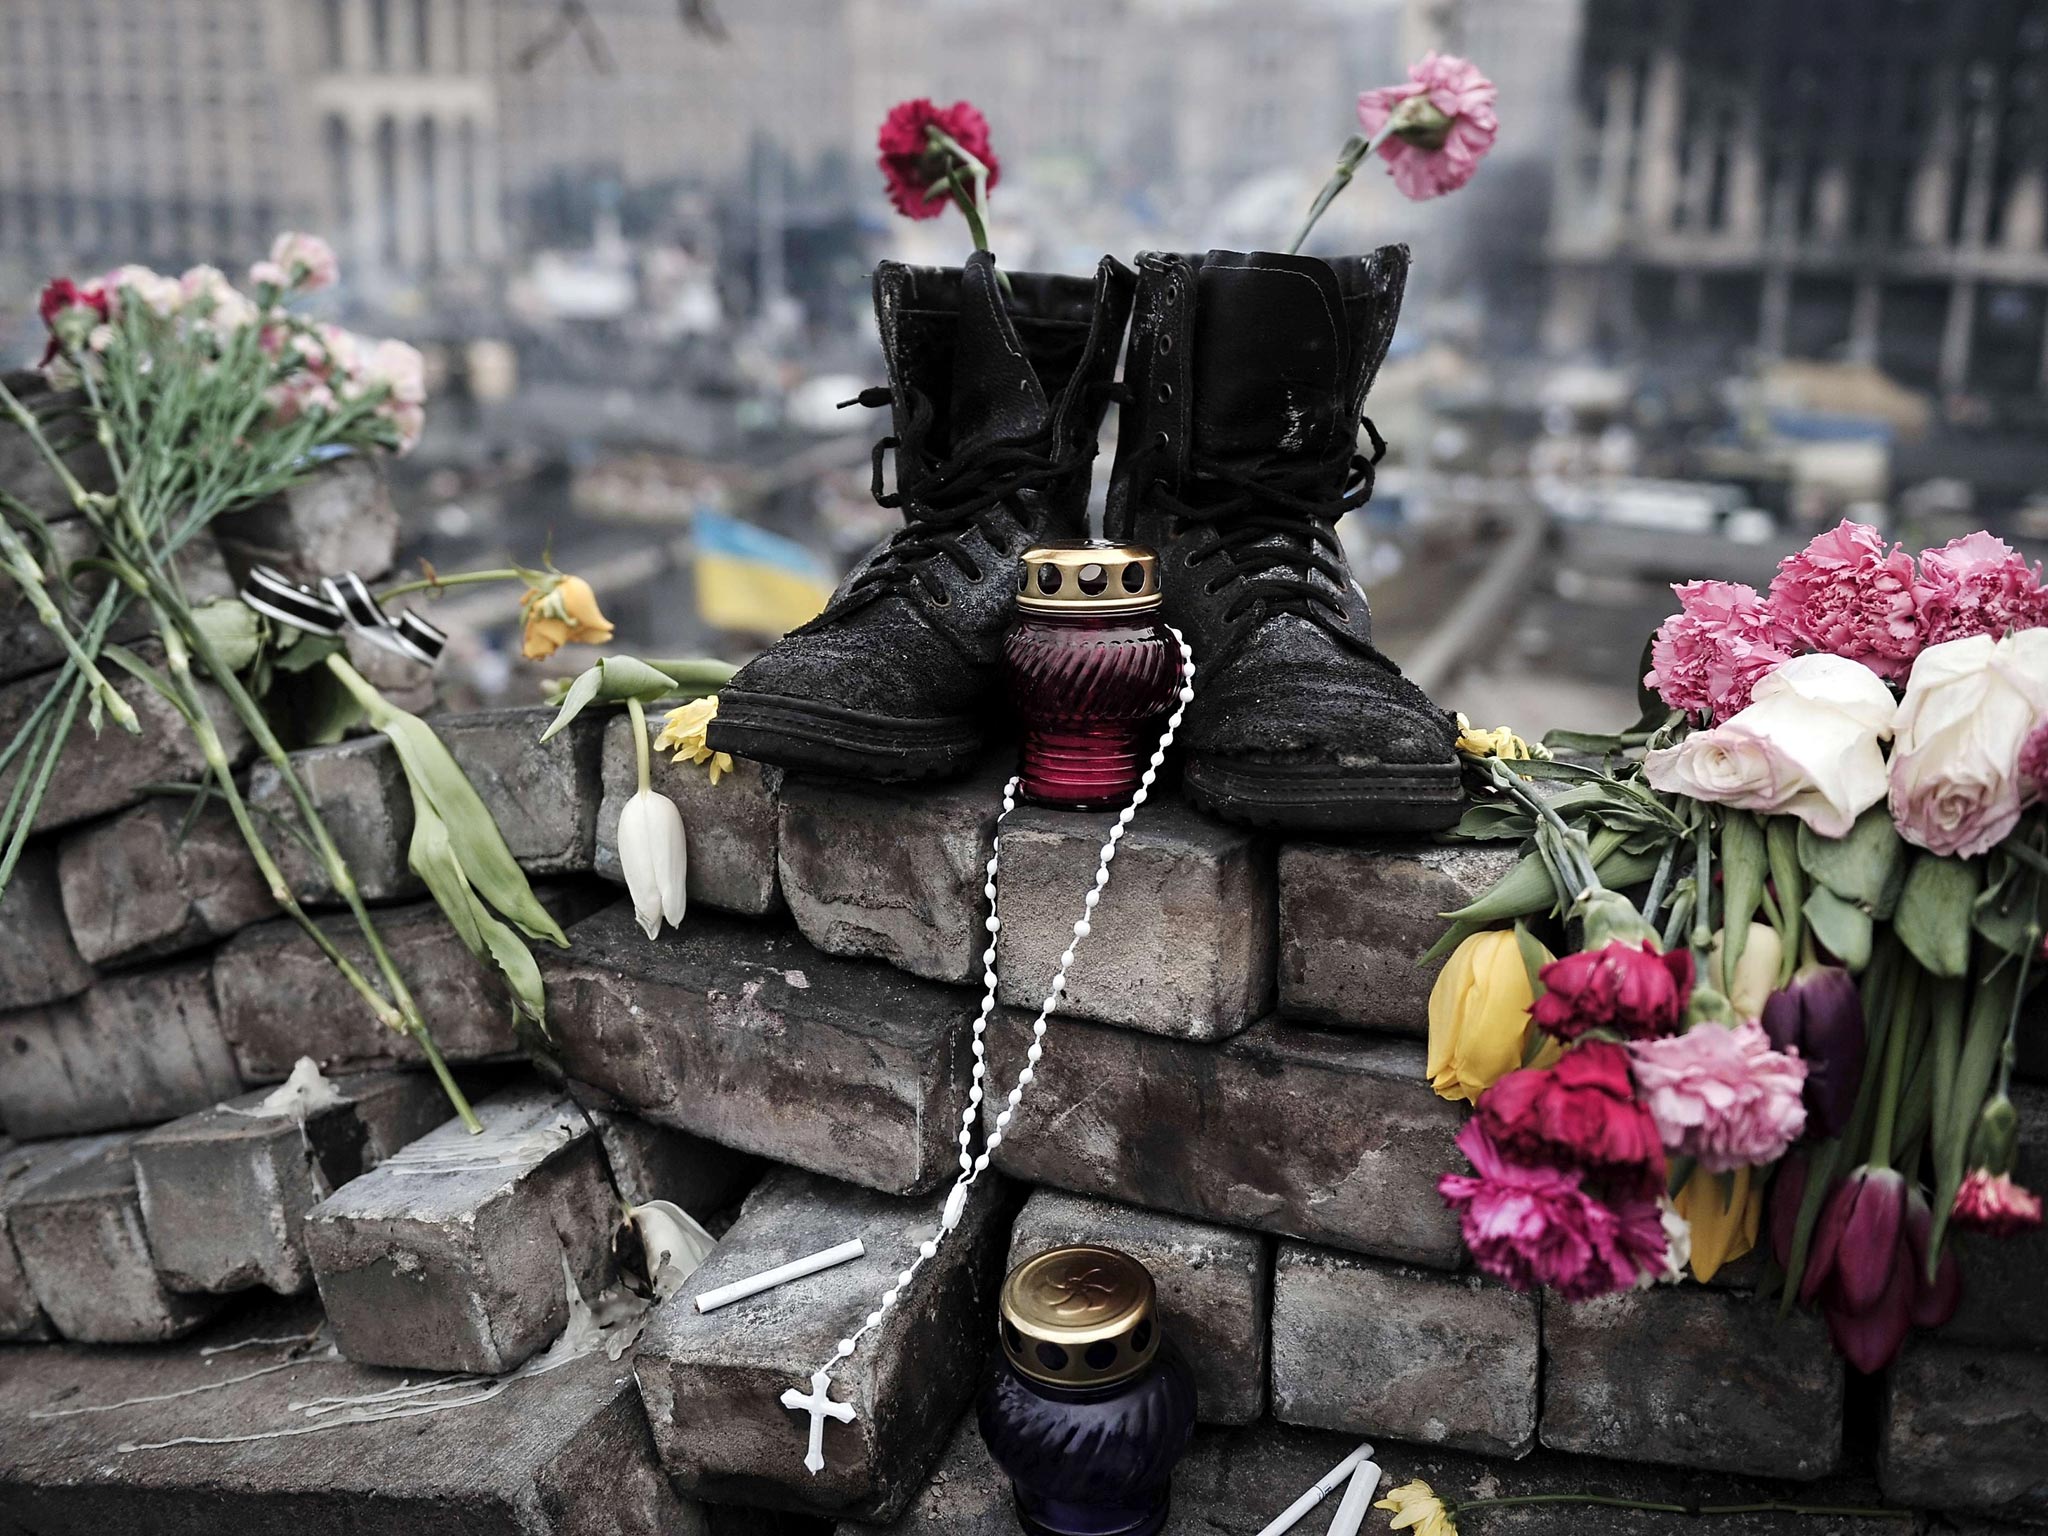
[1270,358]
[996,396]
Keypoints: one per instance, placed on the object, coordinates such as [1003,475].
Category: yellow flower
[1723,1229]
[1415,1507]
[683,734]
[561,611]
[1756,972]
[1498,742]
[1479,1016]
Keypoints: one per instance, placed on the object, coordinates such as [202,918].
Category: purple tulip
[1857,1241]
[1935,1301]
[1820,1012]
[1869,1337]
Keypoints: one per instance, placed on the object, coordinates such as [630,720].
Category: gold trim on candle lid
[1088,576]
[1080,1316]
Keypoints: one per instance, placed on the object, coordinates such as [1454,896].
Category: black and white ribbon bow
[342,602]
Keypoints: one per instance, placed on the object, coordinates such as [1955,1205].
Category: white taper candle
[781,1274]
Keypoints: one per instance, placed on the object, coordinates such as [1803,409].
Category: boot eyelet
[1165,393]
[1160,439]
[1165,343]
[942,600]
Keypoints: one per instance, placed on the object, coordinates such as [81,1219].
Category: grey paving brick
[1182,942]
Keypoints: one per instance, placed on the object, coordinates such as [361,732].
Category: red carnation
[61,296]
[912,167]
[1630,989]
[1581,1113]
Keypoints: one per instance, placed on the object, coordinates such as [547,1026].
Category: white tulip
[1971,704]
[1810,745]
[655,858]
[674,1244]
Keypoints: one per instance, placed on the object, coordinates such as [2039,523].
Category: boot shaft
[1255,363]
[971,367]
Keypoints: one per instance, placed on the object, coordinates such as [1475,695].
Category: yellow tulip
[561,611]
[683,733]
[1723,1229]
[1415,1507]
[1479,1016]
[1756,971]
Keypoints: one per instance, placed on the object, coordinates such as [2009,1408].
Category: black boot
[1236,456]
[997,402]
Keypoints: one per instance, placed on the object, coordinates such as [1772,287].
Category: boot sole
[803,734]
[1325,798]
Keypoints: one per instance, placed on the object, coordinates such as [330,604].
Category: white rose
[1970,706]
[1809,745]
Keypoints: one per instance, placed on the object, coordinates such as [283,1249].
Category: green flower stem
[338,873]
[1578,855]
[19,562]
[459,579]
[1880,1158]
[1703,893]
[638,712]
[1659,881]
[1606,1501]
[1356,152]
[2009,1052]
[210,746]
[84,500]
[974,209]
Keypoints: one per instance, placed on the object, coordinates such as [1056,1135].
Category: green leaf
[1864,867]
[1991,1006]
[1844,929]
[433,858]
[234,629]
[1781,847]
[307,652]
[1533,959]
[616,679]
[1743,860]
[1820,1172]
[1932,918]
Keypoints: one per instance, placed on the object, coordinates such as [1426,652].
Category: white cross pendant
[819,1405]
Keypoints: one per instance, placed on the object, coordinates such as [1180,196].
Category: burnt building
[1834,179]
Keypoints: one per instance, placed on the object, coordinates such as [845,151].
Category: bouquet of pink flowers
[1805,899]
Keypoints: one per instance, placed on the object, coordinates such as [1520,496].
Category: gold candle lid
[1088,576]
[1080,1316]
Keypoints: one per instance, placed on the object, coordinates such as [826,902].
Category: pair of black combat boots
[1242,398]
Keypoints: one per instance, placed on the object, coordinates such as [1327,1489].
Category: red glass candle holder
[1092,671]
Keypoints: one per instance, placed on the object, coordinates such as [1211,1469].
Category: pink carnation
[1722,1096]
[1431,159]
[1715,649]
[1530,1226]
[1849,595]
[1978,585]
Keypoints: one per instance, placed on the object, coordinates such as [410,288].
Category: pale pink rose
[1972,707]
[1440,154]
[1848,594]
[301,263]
[1978,585]
[1722,1096]
[1810,746]
[1710,654]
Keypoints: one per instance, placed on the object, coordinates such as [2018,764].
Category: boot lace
[1275,534]
[946,500]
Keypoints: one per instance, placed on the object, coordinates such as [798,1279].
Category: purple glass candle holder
[1091,668]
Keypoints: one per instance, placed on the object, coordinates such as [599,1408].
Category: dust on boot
[1237,454]
[997,400]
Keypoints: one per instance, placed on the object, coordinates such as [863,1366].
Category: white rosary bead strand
[972,1166]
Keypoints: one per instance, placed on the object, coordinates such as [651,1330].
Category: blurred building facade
[1859,180]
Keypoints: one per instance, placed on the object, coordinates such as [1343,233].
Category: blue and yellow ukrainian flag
[753,581]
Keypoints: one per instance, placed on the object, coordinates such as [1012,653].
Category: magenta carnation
[1848,594]
[1530,1226]
[1978,585]
[1438,154]
[1722,1096]
[1715,649]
